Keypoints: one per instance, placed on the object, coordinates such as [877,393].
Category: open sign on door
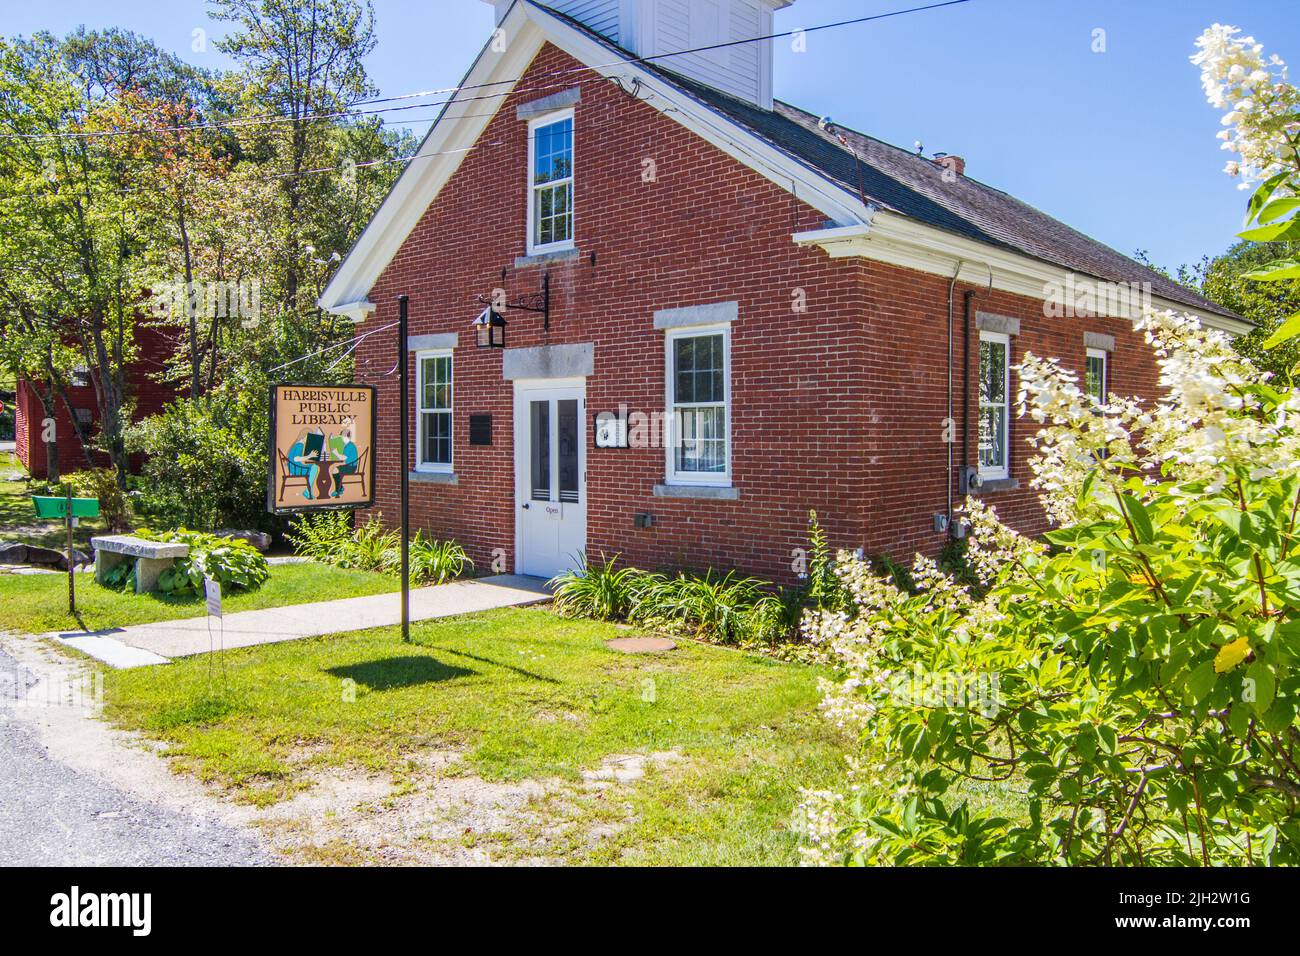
[554,511]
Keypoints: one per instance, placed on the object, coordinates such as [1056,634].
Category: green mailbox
[58,507]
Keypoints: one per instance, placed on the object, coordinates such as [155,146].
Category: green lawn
[37,603]
[522,694]
[18,521]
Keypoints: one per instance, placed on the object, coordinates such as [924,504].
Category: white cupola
[658,27]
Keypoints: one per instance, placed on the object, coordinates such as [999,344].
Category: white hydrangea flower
[1261,106]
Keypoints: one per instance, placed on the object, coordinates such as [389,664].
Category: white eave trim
[448,142]
[356,312]
[904,242]
[460,125]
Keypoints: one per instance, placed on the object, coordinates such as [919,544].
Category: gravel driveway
[54,815]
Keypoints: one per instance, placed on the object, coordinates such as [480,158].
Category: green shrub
[824,590]
[709,605]
[321,536]
[435,562]
[603,592]
[329,537]
[236,565]
[1136,681]
[120,576]
[372,548]
[206,462]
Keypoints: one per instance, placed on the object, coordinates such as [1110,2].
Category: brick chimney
[954,163]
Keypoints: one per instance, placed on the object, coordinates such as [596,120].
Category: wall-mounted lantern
[490,326]
[490,330]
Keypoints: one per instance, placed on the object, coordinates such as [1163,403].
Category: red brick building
[784,315]
[149,395]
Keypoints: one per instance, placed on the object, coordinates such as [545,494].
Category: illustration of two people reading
[337,453]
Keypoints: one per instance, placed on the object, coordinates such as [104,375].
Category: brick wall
[836,409]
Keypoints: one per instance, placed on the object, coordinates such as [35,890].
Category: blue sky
[1118,144]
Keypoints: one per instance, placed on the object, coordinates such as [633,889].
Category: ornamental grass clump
[1134,676]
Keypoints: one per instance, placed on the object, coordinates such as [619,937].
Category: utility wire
[354,342]
[268,119]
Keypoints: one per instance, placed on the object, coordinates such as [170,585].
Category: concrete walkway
[144,644]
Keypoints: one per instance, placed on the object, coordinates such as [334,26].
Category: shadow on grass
[510,667]
[396,672]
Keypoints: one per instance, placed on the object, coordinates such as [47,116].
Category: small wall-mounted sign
[480,429]
[610,430]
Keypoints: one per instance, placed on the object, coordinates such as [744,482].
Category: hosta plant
[235,564]
[1123,693]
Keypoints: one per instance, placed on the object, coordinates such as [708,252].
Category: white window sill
[715,492]
[435,477]
[988,485]
[539,257]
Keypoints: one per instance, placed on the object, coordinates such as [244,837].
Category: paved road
[52,815]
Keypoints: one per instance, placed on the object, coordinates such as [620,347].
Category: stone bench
[151,558]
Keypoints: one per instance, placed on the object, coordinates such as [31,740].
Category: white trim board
[898,240]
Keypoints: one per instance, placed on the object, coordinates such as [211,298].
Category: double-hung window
[550,183]
[1096,375]
[995,405]
[699,395]
[433,386]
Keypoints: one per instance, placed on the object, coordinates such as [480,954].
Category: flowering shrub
[1262,126]
[1134,677]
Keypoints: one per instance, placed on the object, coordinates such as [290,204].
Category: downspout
[967,298]
[948,422]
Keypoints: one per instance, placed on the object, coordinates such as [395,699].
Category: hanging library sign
[322,448]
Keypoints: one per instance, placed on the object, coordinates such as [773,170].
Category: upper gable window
[550,191]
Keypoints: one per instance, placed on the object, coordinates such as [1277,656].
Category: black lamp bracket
[539,302]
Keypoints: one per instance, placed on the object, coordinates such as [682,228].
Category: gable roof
[912,185]
[785,144]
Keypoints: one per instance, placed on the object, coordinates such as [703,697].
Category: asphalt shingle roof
[911,185]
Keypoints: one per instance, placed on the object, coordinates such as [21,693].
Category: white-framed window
[433,410]
[995,405]
[699,405]
[1097,375]
[550,182]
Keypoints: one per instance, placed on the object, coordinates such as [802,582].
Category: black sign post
[404,418]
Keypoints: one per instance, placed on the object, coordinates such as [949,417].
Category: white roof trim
[461,124]
[900,241]
[355,311]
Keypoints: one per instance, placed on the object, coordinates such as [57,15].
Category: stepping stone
[640,645]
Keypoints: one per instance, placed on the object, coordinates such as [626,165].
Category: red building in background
[143,385]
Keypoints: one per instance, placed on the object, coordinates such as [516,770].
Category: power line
[268,119]
[354,342]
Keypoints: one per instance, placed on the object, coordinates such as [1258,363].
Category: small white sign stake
[212,590]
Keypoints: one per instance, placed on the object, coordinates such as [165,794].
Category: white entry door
[550,476]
